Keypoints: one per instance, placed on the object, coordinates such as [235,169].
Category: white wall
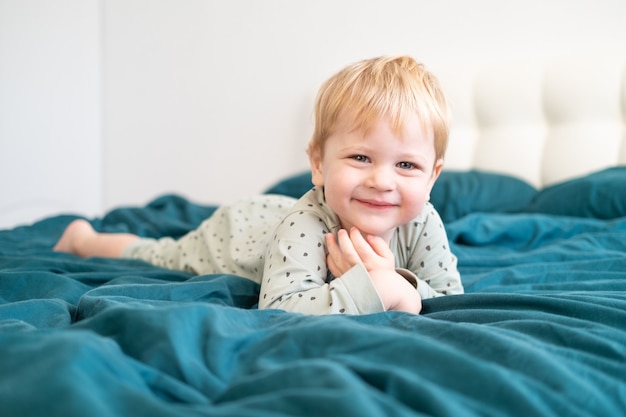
[50,109]
[213,99]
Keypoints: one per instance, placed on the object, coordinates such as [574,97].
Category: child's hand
[351,249]
[373,252]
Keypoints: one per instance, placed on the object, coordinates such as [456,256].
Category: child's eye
[406,165]
[360,158]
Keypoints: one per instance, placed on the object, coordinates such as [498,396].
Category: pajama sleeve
[423,249]
[296,278]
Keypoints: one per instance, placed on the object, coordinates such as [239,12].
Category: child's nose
[381,178]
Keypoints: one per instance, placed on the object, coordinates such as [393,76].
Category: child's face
[377,180]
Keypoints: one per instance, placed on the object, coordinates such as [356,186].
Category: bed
[534,202]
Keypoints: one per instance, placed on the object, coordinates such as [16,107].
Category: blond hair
[366,91]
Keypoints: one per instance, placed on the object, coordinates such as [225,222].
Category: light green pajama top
[279,242]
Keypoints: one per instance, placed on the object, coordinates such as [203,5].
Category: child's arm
[80,238]
[296,276]
[429,256]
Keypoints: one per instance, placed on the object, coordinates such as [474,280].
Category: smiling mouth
[375,204]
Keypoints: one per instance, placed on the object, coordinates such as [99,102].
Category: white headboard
[541,120]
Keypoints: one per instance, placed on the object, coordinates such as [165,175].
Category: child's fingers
[341,254]
[350,253]
[331,243]
[372,250]
[334,255]
[362,247]
[379,246]
[332,267]
[373,245]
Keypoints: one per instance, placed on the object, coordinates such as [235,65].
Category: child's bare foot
[75,233]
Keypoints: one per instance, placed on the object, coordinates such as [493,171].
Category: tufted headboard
[541,120]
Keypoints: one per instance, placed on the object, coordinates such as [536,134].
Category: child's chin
[374,231]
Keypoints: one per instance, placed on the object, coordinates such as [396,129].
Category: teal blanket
[541,330]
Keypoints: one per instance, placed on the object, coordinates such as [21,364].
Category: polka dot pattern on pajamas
[231,241]
[280,243]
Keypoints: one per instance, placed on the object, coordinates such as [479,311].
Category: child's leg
[81,239]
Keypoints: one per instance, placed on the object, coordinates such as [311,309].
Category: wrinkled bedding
[541,330]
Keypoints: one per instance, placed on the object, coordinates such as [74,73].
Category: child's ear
[438,168]
[315,160]
[436,172]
